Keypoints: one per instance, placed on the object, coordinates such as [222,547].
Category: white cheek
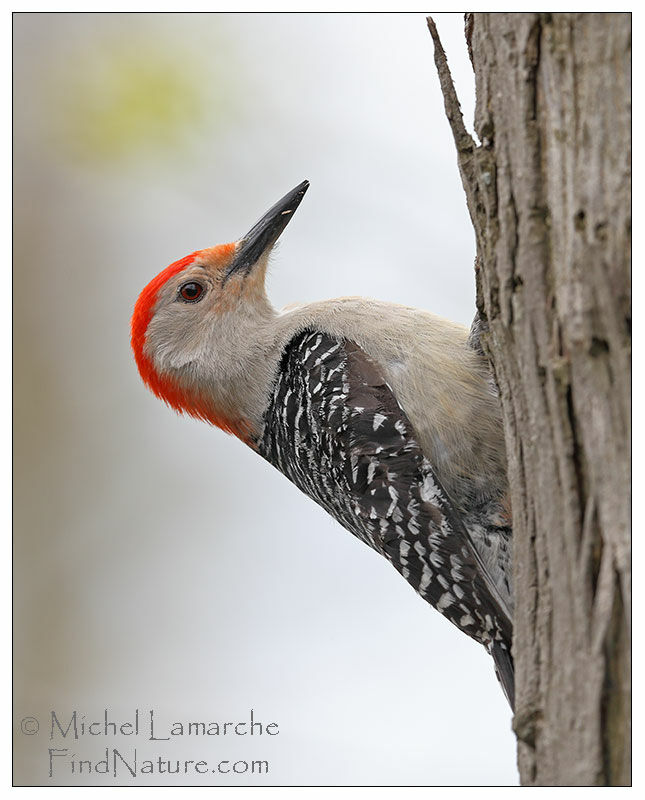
[173,343]
[175,359]
[167,356]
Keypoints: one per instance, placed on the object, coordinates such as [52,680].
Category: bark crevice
[549,195]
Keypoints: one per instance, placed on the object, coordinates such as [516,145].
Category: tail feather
[505,671]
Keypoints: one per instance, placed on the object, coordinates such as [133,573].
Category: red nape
[162,386]
[141,319]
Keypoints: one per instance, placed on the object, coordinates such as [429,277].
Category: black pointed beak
[264,234]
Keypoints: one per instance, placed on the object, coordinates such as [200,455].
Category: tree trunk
[549,195]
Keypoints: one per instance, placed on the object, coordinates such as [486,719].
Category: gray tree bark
[549,194]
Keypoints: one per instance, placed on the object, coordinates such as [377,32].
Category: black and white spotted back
[334,428]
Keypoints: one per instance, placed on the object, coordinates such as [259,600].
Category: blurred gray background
[159,564]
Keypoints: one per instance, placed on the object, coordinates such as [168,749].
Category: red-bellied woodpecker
[384,415]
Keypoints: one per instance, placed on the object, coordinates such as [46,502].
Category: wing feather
[335,428]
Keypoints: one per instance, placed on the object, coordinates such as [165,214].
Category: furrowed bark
[549,194]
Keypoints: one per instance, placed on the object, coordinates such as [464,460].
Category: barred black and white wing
[334,428]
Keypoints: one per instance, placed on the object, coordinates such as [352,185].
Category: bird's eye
[191,292]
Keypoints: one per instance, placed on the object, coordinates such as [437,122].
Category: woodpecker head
[195,325]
